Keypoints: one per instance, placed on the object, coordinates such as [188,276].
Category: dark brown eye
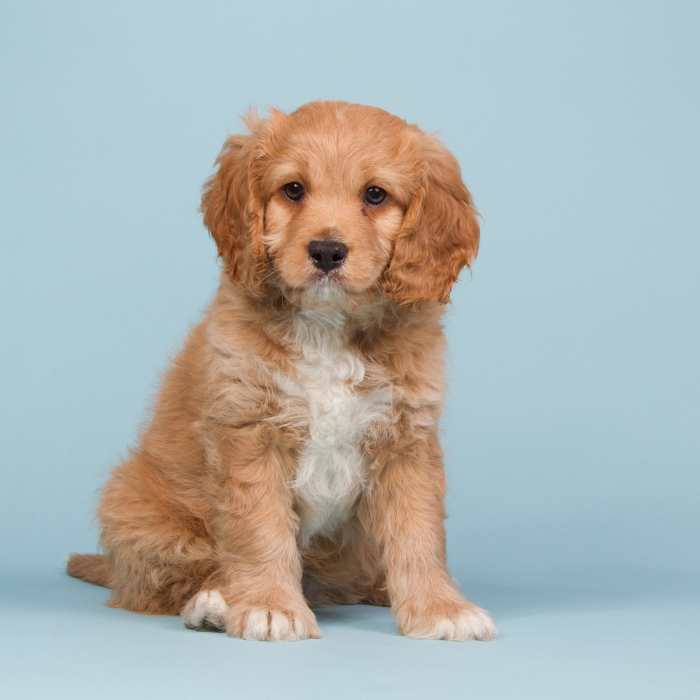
[293,191]
[374,195]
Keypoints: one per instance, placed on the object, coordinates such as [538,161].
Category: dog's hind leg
[158,553]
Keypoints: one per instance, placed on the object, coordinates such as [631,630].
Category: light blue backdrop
[572,432]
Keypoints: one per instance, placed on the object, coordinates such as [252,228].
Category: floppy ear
[439,235]
[233,214]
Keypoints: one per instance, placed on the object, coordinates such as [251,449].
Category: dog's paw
[267,623]
[205,610]
[452,621]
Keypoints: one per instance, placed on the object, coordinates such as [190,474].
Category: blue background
[572,427]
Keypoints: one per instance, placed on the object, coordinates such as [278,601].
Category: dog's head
[339,200]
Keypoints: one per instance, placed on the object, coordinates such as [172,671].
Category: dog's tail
[93,568]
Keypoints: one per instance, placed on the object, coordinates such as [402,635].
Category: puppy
[292,459]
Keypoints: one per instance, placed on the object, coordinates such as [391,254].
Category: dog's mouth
[326,287]
[327,279]
[311,287]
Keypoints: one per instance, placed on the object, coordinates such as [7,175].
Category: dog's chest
[337,412]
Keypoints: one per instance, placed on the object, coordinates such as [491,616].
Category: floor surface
[59,640]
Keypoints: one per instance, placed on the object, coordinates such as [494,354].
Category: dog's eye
[293,191]
[374,195]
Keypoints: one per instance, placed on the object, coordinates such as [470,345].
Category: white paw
[268,624]
[458,625]
[206,609]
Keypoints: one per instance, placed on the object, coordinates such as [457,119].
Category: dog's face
[335,191]
[339,201]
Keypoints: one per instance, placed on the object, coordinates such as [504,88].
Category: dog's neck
[326,306]
[358,321]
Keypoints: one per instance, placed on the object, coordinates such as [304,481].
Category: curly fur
[292,458]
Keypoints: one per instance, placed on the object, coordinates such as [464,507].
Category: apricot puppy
[292,458]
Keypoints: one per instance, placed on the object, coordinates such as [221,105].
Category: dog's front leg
[404,511]
[255,529]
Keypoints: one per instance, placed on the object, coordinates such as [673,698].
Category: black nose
[327,255]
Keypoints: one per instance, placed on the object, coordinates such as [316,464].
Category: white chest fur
[331,471]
